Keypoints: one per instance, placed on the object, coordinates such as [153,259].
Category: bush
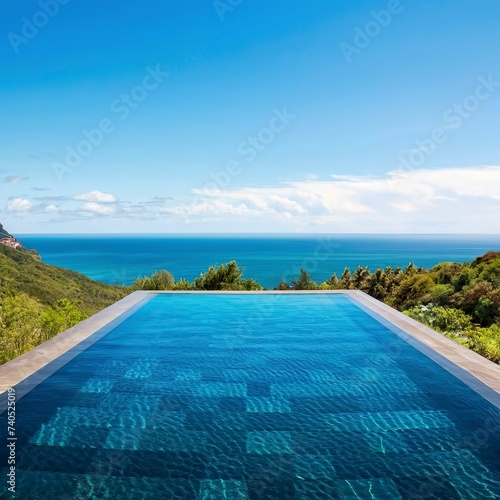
[487,310]
[159,280]
[182,284]
[441,294]
[20,325]
[224,277]
[453,322]
[485,341]
[60,317]
[25,323]
[413,290]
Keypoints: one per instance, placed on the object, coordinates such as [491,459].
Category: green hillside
[3,232]
[38,301]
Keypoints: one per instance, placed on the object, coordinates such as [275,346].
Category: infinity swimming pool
[258,396]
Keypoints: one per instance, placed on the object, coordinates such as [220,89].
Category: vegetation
[3,232]
[38,301]
[304,282]
[457,325]
[159,280]
[225,277]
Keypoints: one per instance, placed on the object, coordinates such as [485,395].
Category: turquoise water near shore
[120,259]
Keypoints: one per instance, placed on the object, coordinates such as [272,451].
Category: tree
[304,282]
[487,310]
[413,290]
[470,295]
[360,276]
[446,272]
[224,277]
[441,294]
[345,280]
[463,279]
[284,286]
[490,271]
[332,283]
[410,269]
[377,284]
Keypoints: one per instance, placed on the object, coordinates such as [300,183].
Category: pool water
[254,397]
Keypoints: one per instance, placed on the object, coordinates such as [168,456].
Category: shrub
[63,315]
[451,321]
[20,325]
[183,284]
[159,280]
[224,277]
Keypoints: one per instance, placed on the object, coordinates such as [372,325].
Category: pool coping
[34,364]
[45,359]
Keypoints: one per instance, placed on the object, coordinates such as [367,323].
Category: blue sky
[250,116]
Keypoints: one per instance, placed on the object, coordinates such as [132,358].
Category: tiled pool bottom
[254,397]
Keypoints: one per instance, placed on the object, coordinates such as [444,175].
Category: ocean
[120,259]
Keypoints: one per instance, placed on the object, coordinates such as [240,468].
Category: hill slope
[20,272]
[38,301]
[4,233]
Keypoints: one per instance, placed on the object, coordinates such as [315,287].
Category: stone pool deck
[480,374]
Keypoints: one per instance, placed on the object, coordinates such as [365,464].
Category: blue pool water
[212,396]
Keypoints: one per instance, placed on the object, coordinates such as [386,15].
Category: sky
[214,116]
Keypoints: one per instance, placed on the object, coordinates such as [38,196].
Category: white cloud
[96,208]
[450,199]
[404,207]
[213,207]
[19,205]
[96,196]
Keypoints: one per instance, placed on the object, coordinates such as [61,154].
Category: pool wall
[31,368]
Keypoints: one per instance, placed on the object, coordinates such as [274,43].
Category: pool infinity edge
[482,375]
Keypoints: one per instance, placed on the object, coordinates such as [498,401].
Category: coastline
[120,259]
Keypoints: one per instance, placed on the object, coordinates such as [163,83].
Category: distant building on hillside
[11,242]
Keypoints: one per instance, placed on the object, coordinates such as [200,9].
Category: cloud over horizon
[96,196]
[394,199]
[455,200]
